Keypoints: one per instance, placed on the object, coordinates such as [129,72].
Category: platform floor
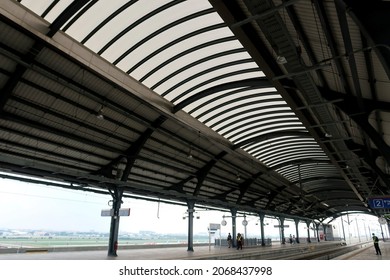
[367,253]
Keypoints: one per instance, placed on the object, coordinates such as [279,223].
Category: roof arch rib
[67,14]
[107,19]
[206,59]
[136,23]
[159,31]
[252,83]
[252,128]
[214,79]
[270,107]
[270,136]
[184,52]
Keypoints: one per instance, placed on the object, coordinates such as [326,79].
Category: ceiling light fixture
[281,60]
[99,114]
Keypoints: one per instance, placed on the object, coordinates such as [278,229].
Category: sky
[47,208]
[32,206]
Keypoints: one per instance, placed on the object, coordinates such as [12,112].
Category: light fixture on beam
[281,60]
[120,168]
[99,114]
[189,155]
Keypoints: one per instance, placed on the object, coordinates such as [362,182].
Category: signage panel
[379,202]
[107,212]
[124,212]
[110,212]
[214,227]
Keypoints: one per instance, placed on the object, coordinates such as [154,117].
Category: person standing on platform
[229,240]
[239,241]
[376,244]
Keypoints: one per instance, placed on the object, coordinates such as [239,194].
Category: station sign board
[214,227]
[381,202]
[110,212]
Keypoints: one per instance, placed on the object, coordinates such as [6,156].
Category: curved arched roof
[176,77]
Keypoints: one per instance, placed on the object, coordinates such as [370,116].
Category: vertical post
[234,230]
[191,206]
[383,236]
[262,229]
[317,231]
[245,223]
[308,231]
[342,225]
[325,232]
[282,230]
[296,229]
[116,194]
[365,230]
[349,229]
[357,228]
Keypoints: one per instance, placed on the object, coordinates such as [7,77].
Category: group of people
[239,239]
[292,239]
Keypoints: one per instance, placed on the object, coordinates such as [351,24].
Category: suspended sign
[214,227]
[379,202]
[110,212]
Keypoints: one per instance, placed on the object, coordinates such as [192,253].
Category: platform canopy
[275,107]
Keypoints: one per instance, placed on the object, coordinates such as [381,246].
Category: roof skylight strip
[184,52]
[253,107]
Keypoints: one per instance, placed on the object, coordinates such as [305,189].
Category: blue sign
[379,202]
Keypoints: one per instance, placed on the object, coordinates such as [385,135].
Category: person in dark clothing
[239,241]
[229,240]
[376,244]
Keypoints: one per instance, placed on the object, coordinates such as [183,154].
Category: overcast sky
[31,206]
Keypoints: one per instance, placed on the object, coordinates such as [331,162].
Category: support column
[326,231]
[190,210]
[262,229]
[308,231]
[296,229]
[282,231]
[116,194]
[383,235]
[234,229]
[342,225]
[317,229]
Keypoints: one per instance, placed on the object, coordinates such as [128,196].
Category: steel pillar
[234,229]
[308,231]
[116,194]
[296,230]
[190,210]
[262,229]
[282,231]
